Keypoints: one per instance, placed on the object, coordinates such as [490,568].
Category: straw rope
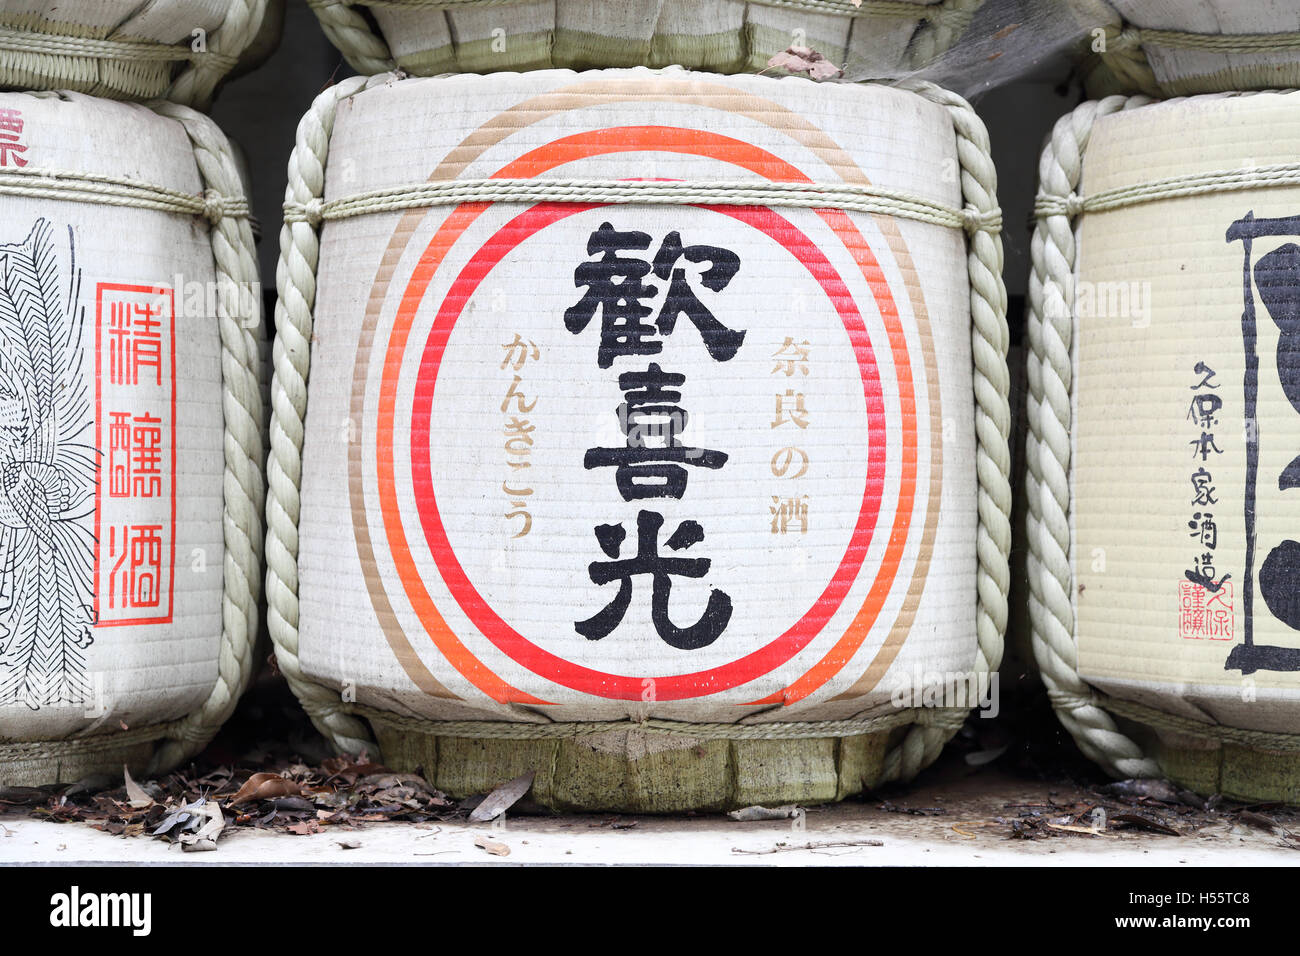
[864,199]
[74,186]
[1047,452]
[296,282]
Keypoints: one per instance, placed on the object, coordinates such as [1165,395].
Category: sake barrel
[728,36]
[126,49]
[1163,410]
[654,437]
[130,532]
[1180,47]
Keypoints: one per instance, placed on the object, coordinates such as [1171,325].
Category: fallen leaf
[1070,828]
[306,828]
[349,844]
[502,798]
[492,846]
[802,59]
[979,758]
[136,798]
[751,814]
[194,825]
[264,786]
[1257,820]
[182,817]
[1144,823]
[1153,789]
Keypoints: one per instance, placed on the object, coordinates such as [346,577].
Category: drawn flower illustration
[47,479]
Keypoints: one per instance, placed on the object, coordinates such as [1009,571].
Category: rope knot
[311,212]
[1072,206]
[1129,38]
[981,220]
[214,206]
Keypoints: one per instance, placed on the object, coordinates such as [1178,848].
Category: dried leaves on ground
[194,809]
[1148,806]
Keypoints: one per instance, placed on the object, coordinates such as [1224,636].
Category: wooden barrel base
[40,771]
[634,772]
[1207,767]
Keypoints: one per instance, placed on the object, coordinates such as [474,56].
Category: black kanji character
[1204,445]
[1203,488]
[1208,373]
[614,287]
[650,414]
[1203,410]
[1205,529]
[1202,573]
[721,342]
[716,614]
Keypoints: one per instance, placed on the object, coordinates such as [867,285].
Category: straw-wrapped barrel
[1163,488]
[643,429]
[125,49]
[875,37]
[130,436]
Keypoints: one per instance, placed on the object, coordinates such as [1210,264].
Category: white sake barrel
[130,435]
[128,49]
[640,443]
[726,36]
[1181,47]
[1164,411]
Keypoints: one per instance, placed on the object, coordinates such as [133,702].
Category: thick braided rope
[197,83]
[1047,452]
[295,280]
[240,323]
[990,339]
[849,197]
[351,33]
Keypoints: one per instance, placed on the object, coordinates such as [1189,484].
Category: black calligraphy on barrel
[1276,275]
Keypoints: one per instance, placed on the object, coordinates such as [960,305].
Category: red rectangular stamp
[1205,615]
[135,432]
